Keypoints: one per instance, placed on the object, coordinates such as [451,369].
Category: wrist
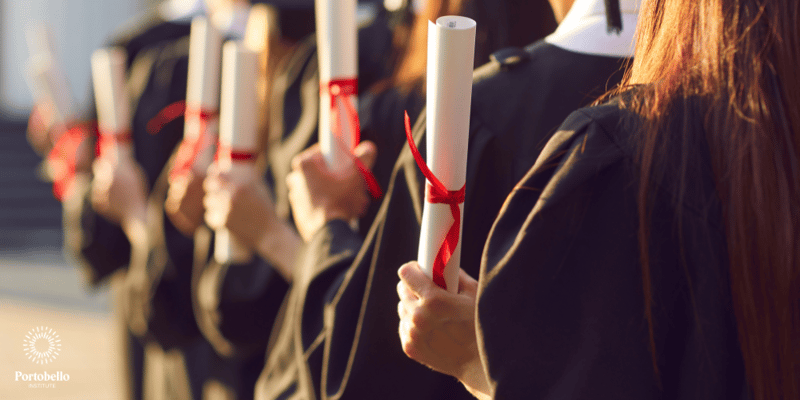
[135,227]
[474,379]
[279,245]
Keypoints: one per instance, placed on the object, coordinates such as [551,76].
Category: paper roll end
[456,22]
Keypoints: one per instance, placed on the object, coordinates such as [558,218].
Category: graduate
[502,24]
[358,289]
[157,304]
[350,342]
[97,242]
[91,236]
[236,303]
[652,250]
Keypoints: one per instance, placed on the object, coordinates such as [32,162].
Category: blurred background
[38,287]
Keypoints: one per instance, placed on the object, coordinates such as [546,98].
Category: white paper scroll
[337,54]
[48,80]
[451,53]
[237,131]
[203,86]
[111,96]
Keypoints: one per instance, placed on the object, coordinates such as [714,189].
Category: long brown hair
[500,23]
[741,58]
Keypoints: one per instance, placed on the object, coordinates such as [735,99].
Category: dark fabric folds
[561,303]
[357,353]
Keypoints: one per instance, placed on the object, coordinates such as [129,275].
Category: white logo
[42,345]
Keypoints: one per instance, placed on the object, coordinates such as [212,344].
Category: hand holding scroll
[184,204]
[119,190]
[40,124]
[241,204]
[244,207]
[437,327]
[319,195]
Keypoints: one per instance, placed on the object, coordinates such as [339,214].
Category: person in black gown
[93,240]
[347,322]
[156,47]
[637,259]
[236,303]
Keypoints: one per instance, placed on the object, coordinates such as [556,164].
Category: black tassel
[613,16]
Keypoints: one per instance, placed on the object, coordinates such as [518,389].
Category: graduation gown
[560,300]
[161,309]
[97,244]
[340,339]
[240,302]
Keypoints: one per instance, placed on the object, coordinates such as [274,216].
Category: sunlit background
[38,287]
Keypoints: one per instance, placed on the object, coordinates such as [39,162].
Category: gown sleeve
[561,312]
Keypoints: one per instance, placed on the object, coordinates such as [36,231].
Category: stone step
[27,193]
[26,202]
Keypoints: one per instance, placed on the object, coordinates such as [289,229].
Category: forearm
[134,224]
[279,246]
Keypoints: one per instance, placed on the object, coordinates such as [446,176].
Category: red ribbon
[63,156]
[438,194]
[165,116]
[340,91]
[236,155]
[189,148]
[106,141]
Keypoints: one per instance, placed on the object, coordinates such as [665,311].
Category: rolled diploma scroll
[202,90]
[47,77]
[111,97]
[237,131]
[451,53]
[337,54]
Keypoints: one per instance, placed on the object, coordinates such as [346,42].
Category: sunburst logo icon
[42,345]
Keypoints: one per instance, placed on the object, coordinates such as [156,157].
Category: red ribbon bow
[340,91]
[189,148]
[438,194]
[63,156]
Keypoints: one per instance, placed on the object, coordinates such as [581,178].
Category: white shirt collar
[584,29]
[234,24]
[181,10]
[231,24]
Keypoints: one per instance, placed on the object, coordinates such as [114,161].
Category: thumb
[367,152]
[416,280]
[305,155]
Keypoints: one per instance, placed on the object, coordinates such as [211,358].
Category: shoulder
[537,87]
[594,139]
[146,30]
[590,141]
[609,125]
[541,56]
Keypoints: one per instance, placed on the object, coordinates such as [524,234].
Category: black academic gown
[159,309]
[241,301]
[560,302]
[342,339]
[97,244]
